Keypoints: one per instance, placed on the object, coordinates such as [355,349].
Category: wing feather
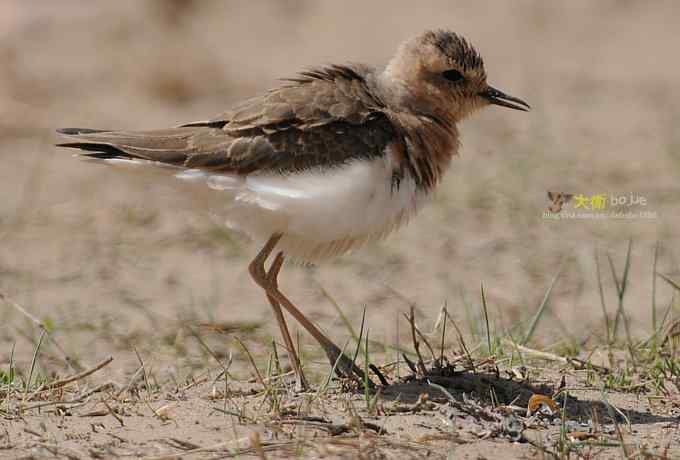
[323,117]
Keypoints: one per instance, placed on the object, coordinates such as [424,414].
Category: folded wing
[326,117]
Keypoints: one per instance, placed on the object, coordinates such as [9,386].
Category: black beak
[497,97]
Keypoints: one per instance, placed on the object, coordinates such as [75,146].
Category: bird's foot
[345,367]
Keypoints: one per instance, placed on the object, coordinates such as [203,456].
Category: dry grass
[442,397]
[479,295]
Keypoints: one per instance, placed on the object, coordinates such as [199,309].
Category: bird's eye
[453,75]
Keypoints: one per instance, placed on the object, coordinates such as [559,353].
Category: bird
[330,159]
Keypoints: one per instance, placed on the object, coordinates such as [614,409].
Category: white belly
[321,213]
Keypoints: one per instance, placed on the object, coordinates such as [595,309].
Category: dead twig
[74,378]
[193,384]
[332,428]
[180,444]
[420,365]
[423,403]
[80,400]
[113,413]
[577,364]
[241,445]
[258,376]
[133,379]
[461,341]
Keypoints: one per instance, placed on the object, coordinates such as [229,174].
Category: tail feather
[79,131]
[98,151]
[170,146]
[94,150]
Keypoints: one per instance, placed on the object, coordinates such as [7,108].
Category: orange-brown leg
[257,271]
[334,354]
[272,277]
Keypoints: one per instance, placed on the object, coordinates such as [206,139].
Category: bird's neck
[430,139]
[430,145]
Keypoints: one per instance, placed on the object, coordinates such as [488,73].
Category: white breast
[320,212]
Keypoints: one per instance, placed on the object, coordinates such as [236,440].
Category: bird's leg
[272,277]
[345,365]
[263,278]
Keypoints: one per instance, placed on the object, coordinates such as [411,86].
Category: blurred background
[114,262]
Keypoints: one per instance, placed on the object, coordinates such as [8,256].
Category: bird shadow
[490,389]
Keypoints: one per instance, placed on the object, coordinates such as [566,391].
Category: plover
[331,159]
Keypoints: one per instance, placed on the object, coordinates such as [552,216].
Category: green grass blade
[654,262]
[34,360]
[341,313]
[361,334]
[541,309]
[486,319]
[322,389]
[670,281]
[367,392]
[602,302]
[621,292]
[626,267]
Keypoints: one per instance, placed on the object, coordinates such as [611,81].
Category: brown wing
[315,97]
[323,117]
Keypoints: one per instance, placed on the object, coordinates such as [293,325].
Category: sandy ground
[118,264]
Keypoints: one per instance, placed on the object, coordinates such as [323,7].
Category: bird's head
[441,73]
